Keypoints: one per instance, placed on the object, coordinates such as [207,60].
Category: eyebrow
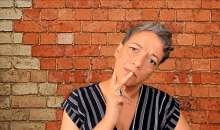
[151,54]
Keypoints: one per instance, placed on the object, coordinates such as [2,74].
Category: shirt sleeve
[71,106]
[173,114]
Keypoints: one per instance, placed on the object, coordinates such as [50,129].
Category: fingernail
[130,73]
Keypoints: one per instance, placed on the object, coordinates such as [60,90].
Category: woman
[123,102]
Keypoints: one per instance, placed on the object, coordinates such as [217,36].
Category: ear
[118,49]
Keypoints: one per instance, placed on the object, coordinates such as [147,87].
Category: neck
[132,91]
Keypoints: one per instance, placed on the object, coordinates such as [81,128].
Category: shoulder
[88,89]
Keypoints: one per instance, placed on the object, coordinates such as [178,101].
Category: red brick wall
[71,44]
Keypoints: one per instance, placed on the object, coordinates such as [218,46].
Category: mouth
[127,70]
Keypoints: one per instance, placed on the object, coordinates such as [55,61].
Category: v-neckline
[132,122]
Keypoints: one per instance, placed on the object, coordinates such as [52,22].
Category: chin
[131,83]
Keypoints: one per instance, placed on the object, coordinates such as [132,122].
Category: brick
[59,114]
[78,4]
[214,117]
[26,63]
[54,101]
[47,63]
[199,116]
[30,26]
[169,89]
[210,78]
[107,50]
[28,101]
[98,38]
[48,4]
[42,114]
[14,76]
[215,64]
[6,25]
[5,89]
[66,14]
[184,4]
[201,15]
[171,77]
[22,3]
[100,14]
[214,91]
[187,52]
[211,52]
[83,50]
[199,91]
[185,39]
[64,26]
[38,76]
[99,63]
[184,78]
[195,126]
[47,38]
[5,63]
[216,40]
[31,14]
[24,88]
[18,37]
[210,104]
[47,51]
[154,79]
[182,90]
[210,4]
[69,76]
[82,38]
[27,126]
[196,78]
[98,26]
[115,38]
[210,127]
[83,14]
[215,15]
[183,64]
[6,3]
[104,75]
[14,114]
[81,63]
[133,14]
[49,14]
[63,89]
[201,65]
[195,104]
[200,27]
[203,39]
[85,77]
[116,4]
[123,26]
[116,14]
[4,102]
[174,39]
[150,14]
[10,13]
[53,125]
[6,38]
[56,76]
[78,85]
[47,88]
[186,115]
[167,14]
[175,27]
[65,38]
[31,38]
[65,63]
[150,4]
[111,63]
[169,64]
[184,15]
[4,125]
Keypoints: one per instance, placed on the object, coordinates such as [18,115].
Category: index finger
[124,79]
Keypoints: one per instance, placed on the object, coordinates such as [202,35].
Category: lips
[127,70]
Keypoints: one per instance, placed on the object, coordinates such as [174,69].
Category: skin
[135,62]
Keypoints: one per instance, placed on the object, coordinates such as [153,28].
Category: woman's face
[141,54]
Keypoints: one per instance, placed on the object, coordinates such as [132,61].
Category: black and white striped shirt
[156,110]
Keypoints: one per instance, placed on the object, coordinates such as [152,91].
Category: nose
[138,61]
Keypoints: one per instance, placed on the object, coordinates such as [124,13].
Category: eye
[152,61]
[133,48]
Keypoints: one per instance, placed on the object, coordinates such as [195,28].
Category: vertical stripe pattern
[155,110]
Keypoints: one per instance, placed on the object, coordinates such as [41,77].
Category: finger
[114,79]
[126,95]
[123,80]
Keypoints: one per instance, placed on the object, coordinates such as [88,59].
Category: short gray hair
[164,33]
